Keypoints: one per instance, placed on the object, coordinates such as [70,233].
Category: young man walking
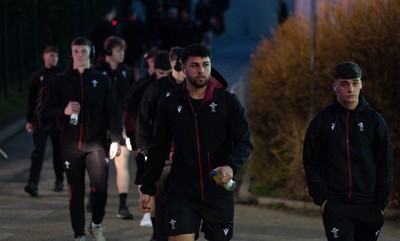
[41,131]
[209,132]
[348,161]
[84,100]
[122,78]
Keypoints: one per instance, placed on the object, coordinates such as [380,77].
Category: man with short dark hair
[209,132]
[348,161]
[89,96]
[41,131]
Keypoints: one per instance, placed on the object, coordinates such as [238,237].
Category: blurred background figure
[121,78]
[210,16]
[135,34]
[42,128]
[104,28]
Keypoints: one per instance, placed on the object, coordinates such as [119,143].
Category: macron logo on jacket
[179,109]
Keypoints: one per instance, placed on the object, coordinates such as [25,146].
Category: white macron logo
[333,126]
[179,109]
[67,164]
[226,230]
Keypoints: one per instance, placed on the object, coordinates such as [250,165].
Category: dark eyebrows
[200,63]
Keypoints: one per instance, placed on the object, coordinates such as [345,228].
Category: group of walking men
[180,119]
[182,124]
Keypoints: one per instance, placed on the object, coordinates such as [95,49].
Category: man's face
[50,59]
[198,71]
[118,54]
[347,91]
[80,55]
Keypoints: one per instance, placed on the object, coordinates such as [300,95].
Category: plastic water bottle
[230,186]
[73,120]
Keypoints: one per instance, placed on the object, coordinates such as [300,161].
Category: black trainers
[59,186]
[31,189]
[123,213]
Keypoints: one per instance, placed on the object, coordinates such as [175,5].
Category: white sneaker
[80,238]
[97,232]
[146,221]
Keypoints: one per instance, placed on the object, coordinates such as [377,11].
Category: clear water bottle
[230,186]
[73,120]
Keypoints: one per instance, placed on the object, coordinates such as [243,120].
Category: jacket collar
[362,105]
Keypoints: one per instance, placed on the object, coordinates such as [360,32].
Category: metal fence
[27,26]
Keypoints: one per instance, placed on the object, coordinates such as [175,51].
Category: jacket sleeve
[239,132]
[33,94]
[384,158]
[312,161]
[114,113]
[146,115]
[54,105]
[156,155]
[131,104]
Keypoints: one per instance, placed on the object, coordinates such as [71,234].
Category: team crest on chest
[361,126]
[94,82]
[213,106]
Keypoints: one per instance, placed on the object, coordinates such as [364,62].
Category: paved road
[46,217]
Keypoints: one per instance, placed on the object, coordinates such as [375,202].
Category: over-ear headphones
[92,54]
[178,64]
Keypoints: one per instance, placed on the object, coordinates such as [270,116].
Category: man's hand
[128,143]
[144,201]
[72,107]
[115,150]
[226,174]
[28,127]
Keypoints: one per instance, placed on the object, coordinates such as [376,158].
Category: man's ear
[334,87]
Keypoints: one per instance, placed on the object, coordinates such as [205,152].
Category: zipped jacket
[99,111]
[348,156]
[40,78]
[216,134]
[155,94]
[131,106]
[121,78]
